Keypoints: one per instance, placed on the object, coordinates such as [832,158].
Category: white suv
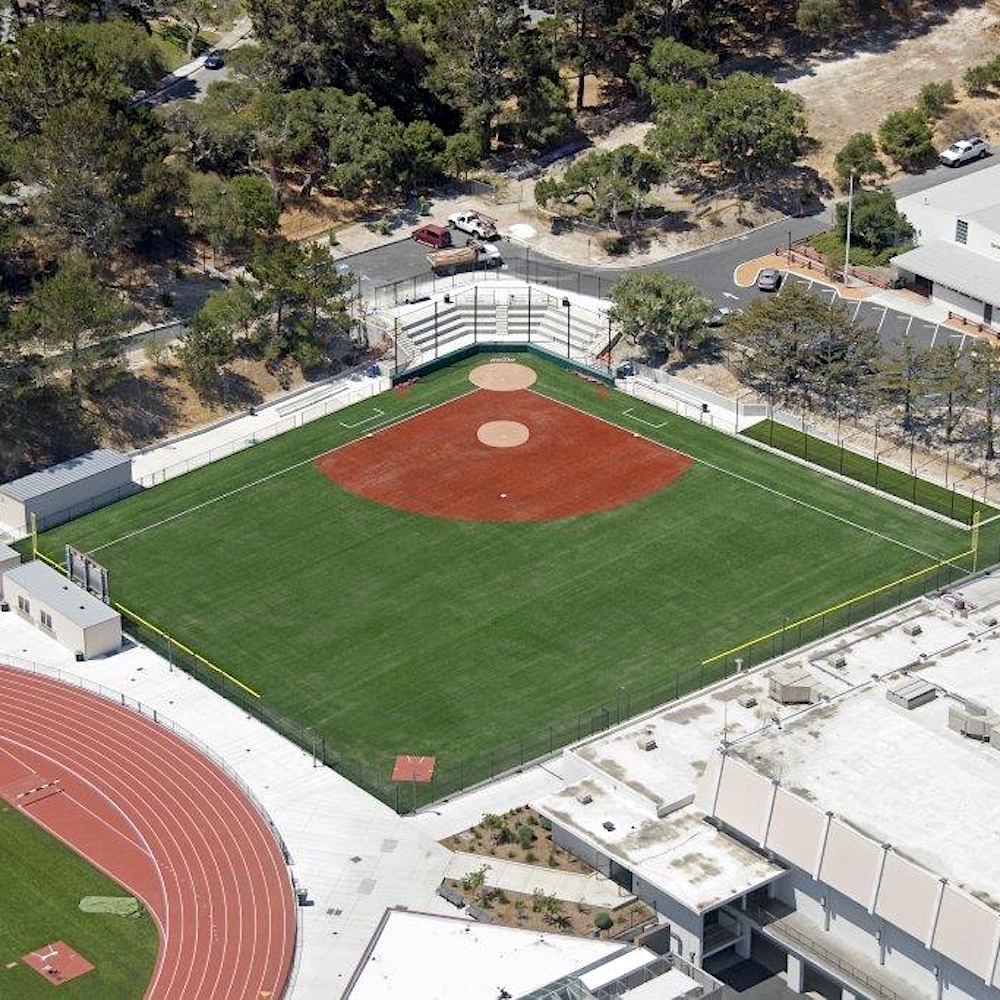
[964,151]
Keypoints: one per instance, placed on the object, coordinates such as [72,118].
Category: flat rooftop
[64,598]
[965,195]
[897,776]
[681,852]
[451,958]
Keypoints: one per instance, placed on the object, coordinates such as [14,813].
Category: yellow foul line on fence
[852,600]
[187,649]
[38,554]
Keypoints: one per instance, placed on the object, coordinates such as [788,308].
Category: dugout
[61,609]
[9,558]
[66,490]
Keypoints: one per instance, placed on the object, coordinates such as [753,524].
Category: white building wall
[983,239]
[104,637]
[686,927]
[930,223]
[964,305]
[854,928]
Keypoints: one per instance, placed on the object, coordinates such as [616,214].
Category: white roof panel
[970,192]
[72,471]
[63,597]
[956,267]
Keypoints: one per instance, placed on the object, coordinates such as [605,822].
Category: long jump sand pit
[509,455]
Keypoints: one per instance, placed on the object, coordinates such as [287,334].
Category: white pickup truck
[473,223]
[473,254]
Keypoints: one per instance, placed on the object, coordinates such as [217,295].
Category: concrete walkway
[208,444]
[513,876]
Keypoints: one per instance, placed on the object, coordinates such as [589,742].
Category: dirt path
[855,93]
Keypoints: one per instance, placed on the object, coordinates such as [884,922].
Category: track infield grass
[41,884]
[390,632]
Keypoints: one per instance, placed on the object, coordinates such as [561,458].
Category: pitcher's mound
[502,376]
[502,433]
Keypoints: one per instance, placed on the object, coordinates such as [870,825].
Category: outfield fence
[947,501]
[616,706]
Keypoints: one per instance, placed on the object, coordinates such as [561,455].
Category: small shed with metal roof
[78,620]
[66,490]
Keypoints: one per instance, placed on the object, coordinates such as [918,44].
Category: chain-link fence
[372,772]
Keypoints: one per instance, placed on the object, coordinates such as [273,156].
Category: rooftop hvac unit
[911,693]
[646,743]
[746,701]
[792,686]
[912,628]
[585,798]
[975,723]
[994,736]
[990,621]
[839,661]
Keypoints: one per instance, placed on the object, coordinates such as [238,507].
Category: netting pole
[975,541]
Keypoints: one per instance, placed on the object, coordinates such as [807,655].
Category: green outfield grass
[389,632]
[866,470]
[41,885]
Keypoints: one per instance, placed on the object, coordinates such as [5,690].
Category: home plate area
[503,453]
[57,962]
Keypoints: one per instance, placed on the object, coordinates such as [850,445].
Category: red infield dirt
[57,963]
[437,462]
[149,810]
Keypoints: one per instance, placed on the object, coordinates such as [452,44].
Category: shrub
[906,137]
[980,79]
[859,156]
[526,836]
[934,98]
[544,823]
[603,921]
[531,857]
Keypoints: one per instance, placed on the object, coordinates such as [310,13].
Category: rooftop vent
[792,686]
[911,693]
[971,720]
[912,628]
[990,621]
[608,825]
[646,743]
[585,798]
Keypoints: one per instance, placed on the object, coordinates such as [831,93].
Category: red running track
[147,808]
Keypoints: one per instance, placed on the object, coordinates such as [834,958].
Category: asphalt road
[398,269]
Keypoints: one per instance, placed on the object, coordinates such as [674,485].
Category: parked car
[215,59]
[769,280]
[474,223]
[722,316]
[433,235]
[964,151]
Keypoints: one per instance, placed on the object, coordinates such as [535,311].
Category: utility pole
[847,249]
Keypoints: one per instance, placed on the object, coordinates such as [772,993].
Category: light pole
[847,247]
[566,303]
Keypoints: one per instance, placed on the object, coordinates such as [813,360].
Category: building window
[46,619]
[23,604]
[961,231]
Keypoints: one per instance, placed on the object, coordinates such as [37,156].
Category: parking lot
[892,326]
